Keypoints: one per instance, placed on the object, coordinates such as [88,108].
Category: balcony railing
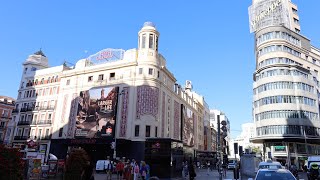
[21,137]
[46,137]
[24,122]
[44,122]
[38,108]
[15,110]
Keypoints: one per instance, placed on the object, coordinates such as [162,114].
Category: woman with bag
[136,170]
[143,170]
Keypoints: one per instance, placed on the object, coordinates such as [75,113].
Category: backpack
[136,169]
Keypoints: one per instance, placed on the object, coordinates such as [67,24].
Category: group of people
[128,170]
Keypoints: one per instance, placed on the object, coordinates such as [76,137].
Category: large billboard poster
[188,126]
[96,113]
[265,13]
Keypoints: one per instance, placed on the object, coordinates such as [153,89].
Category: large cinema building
[114,98]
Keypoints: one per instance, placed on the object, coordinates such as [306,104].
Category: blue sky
[206,41]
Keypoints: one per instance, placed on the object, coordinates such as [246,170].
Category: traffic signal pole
[219,148]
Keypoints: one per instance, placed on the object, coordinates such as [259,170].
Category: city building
[6,125]
[286,83]
[117,103]
[247,133]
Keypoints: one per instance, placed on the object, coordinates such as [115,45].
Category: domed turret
[148,37]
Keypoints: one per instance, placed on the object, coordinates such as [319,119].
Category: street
[202,175]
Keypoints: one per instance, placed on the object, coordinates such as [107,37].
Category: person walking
[120,169]
[127,170]
[143,170]
[191,169]
[136,171]
[208,167]
[148,171]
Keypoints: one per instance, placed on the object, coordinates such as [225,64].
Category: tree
[76,164]
[11,163]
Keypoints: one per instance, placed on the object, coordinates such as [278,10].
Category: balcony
[24,123]
[2,127]
[15,110]
[38,108]
[48,137]
[21,137]
[40,122]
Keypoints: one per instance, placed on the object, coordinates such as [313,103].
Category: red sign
[32,144]
[105,55]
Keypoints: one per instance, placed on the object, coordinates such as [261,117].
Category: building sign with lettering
[104,56]
[268,13]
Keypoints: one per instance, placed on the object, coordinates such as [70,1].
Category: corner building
[286,83]
[117,103]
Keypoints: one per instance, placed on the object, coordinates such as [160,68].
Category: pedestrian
[224,168]
[208,167]
[109,168]
[148,171]
[136,171]
[143,170]
[127,170]
[120,169]
[192,172]
[133,163]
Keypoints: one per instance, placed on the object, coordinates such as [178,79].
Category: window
[49,116]
[60,132]
[68,82]
[296,21]
[147,131]
[56,79]
[156,43]
[158,74]
[36,82]
[151,44]
[40,134]
[112,75]
[32,133]
[294,11]
[2,124]
[297,30]
[25,70]
[136,131]
[90,78]
[42,81]
[156,132]
[47,132]
[143,45]
[52,79]
[150,71]
[140,70]
[48,80]
[100,78]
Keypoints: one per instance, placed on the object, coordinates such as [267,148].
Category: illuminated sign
[268,13]
[105,55]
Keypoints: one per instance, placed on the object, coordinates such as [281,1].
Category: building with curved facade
[286,83]
[110,104]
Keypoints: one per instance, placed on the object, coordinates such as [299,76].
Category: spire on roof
[40,53]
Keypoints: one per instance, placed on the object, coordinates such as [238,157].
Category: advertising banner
[268,13]
[188,126]
[104,56]
[96,112]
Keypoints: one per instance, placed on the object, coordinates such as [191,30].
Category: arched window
[56,80]
[151,43]
[143,45]
[48,80]
[42,81]
[52,79]
[36,82]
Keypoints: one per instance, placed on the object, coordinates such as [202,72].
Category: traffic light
[235,148]
[240,150]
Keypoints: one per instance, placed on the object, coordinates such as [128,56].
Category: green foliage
[11,164]
[76,164]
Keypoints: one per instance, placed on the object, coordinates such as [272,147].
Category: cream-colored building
[114,96]
[286,83]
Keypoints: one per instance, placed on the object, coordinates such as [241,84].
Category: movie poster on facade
[188,126]
[96,113]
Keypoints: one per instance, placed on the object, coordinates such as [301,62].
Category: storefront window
[301,148]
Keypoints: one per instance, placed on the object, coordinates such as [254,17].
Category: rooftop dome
[149,24]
